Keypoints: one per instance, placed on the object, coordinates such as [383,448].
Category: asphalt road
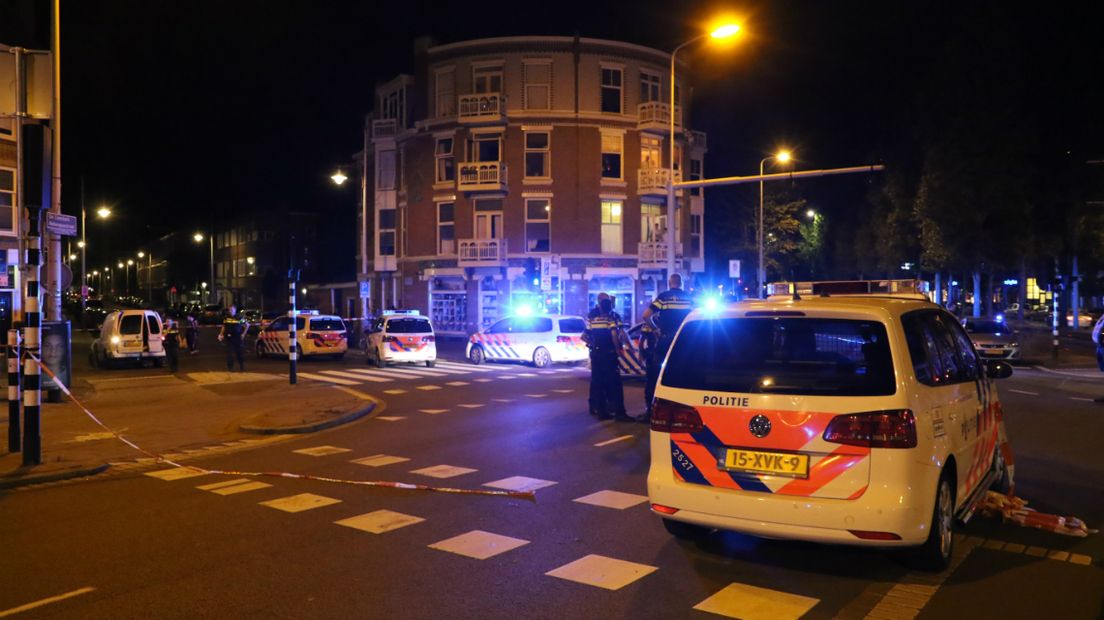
[139,546]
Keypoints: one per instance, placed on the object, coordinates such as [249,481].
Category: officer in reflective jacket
[665,315]
[603,337]
[233,334]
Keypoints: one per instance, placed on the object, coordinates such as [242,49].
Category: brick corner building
[526,171]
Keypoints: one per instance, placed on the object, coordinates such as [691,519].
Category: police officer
[171,340]
[233,334]
[664,315]
[603,337]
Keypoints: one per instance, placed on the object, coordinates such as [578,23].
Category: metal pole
[760,270]
[364,217]
[211,291]
[18,213]
[53,253]
[84,252]
[671,172]
[293,354]
[778,176]
[32,395]
[14,431]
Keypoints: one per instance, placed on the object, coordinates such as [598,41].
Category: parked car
[94,313]
[539,340]
[210,315]
[128,335]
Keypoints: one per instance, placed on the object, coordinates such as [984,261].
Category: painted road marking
[379,521]
[224,483]
[614,440]
[379,460]
[357,375]
[457,383]
[1024,392]
[602,572]
[1084,400]
[176,473]
[321,450]
[380,375]
[467,367]
[242,488]
[479,544]
[536,395]
[433,411]
[507,377]
[503,400]
[391,418]
[612,499]
[396,391]
[310,375]
[46,601]
[443,471]
[407,372]
[301,502]
[519,483]
[470,406]
[484,380]
[429,387]
[526,374]
[564,391]
[746,602]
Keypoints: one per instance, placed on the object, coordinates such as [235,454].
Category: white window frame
[10,231]
[602,86]
[487,69]
[620,152]
[613,210]
[547,219]
[441,224]
[384,181]
[527,81]
[653,145]
[475,138]
[696,175]
[651,79]
[547,151]
[382,231]
[440,158]
[696,221]
[445,96]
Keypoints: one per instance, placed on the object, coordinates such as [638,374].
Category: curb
[1069,374]
[308,428]
[80,472]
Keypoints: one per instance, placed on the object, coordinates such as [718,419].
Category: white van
[128,335]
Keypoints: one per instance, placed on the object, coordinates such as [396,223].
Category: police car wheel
[541,358]
[431,363]
[684,531]
[380,362]
[476,355]
[1002,483]
[258,350]
[935,554]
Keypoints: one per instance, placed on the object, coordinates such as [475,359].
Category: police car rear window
[530,324]
[572,326]
[807,356]
[408,326]
[327,325]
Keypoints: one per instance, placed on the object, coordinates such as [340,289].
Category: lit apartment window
[695,175]
[611,226]
[446,93]
[538,225]
[538,85]
[387,232]
[651,152]
[385,170]
[446,228]
[537,154]
[7,199]
[611,156]
[650,87]
[611,90]
[695,235]
[446,162]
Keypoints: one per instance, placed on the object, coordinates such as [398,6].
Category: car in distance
[315,335]
[830,417]
[401,336]
[539,340]
[128,335]
[993,338]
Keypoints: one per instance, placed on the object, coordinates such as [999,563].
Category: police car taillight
[874,429]
[672,417]
[428,338]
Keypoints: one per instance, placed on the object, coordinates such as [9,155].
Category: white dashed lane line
[614,440]
[1024,392]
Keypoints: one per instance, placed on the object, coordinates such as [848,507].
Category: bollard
[15,443]
[32,379]
[293,353]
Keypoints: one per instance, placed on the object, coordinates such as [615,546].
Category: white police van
[537,339]
[853,413]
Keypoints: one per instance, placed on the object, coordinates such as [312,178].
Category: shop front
[448,304]
[622,288]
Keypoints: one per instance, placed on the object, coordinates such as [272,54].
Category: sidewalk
[174,416]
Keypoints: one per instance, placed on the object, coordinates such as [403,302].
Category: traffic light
[532,273]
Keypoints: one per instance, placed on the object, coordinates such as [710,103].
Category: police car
[536,339]
[315,334]
[401,337]
[853,413]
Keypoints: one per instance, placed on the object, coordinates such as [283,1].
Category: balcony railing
[481,176]
[482,108]
[653,181]
[653,255]
[655,116]
[481,253]
[384,128]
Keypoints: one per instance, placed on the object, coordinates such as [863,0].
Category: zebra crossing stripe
[310,375]
[467,367]
[406,372]
[358,377]
[378,376]
[441,372]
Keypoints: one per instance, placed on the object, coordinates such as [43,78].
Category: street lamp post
[724,32]
[198,238]
[761,276]
[149,275]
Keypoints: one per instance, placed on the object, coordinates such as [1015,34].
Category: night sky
[177,113]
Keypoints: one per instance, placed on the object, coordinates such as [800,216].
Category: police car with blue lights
[401,337]
[537,339]
[315,334]
[854,413]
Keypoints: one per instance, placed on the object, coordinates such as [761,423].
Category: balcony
[653,181]
[482,108]
[655,116]
[481,253]
[653,255]
[384,128]
[697,140]
[481,176]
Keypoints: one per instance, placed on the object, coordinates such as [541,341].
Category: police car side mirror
[998,370]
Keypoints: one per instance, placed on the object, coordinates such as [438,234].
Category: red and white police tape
[1014,509]
[529,495]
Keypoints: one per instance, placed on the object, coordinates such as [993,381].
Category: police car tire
[541,358]
[684,531]
[935,554]
[1003,482]
[259,351]
[431,363]
[380,362]
[476,355]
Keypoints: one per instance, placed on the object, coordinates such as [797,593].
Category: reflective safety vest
[233,327]
[670,309]
[600,328]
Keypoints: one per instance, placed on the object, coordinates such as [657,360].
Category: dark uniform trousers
[235,347]
[651,366]
[607,395]
[172,348]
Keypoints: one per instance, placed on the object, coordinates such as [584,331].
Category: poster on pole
[734,269]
